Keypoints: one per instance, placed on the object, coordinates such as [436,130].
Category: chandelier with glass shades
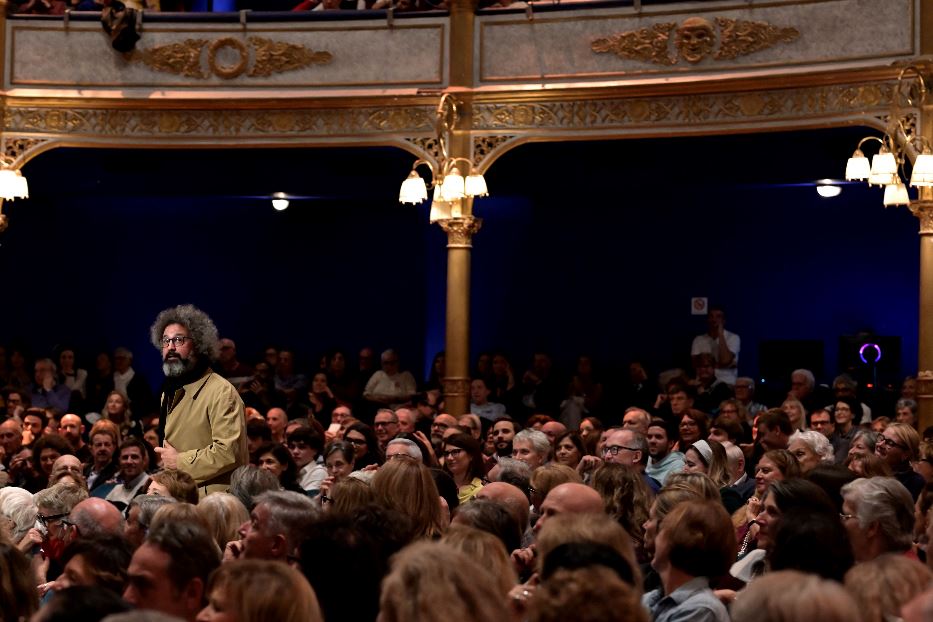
[452,180]
[897,149]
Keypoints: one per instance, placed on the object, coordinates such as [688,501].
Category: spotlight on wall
[280,201]
[828,188]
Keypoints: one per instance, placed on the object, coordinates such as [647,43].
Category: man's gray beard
[174,367]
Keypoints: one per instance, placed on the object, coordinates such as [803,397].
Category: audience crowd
[553,499]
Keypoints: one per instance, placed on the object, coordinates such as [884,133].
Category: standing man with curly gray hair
[202,424]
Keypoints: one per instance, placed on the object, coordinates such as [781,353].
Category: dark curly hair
[198,323]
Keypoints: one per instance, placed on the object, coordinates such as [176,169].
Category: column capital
[460,230]
[456,386]
[923,210]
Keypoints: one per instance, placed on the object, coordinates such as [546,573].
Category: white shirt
[311,475]
[706,344]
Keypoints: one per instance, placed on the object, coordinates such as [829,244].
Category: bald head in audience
[569,498]
[509,496]
[94,516]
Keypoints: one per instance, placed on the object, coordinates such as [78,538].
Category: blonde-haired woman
[257,591]
[407,487]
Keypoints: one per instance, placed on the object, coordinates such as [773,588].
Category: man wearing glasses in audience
[202,420]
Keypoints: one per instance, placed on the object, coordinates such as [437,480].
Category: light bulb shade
[476,186]
[883,169]
[922,175]
[896,194]
[858,166]
[453,186]
[828,191]
[440,210]
[413,189]
[13,185]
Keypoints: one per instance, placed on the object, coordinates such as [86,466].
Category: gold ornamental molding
[687,111]
[228,58]
[694,40]
[460,231]
[923,210]
[217,124]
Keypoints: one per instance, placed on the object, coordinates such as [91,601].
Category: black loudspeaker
[873,360]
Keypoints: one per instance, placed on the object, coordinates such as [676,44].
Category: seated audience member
[132,479]
[663,460]
[18,596]
[695,543]
[590,429]
[512,472]
[628,447]
[348,496]
[547,477]
[46,392]
[479,401]
[258,433]
[98,563]
[481,545]
[831,478]
[45,451]
[693,426]
[883,585]
[847,412]
[175,484]
[80,603]
[594,592]
[257,591]
[385,426]
[627,499]
[743,485]
[276,459]
[104,442]
[570,539]
[247,482]
[792,595]
[796,413]
[54,505]
[493,518]
[365,445]
[709,458]
[388,385]
[711,391]
[774,429]
[553,429]
[169,572]
[531,447]
[510,497]
[898,446]
[503,432]
[406,486]
[433,582]
[636,419]
[868,465]
[276,523]
[811,539]
[139,517]
[878,514]
[469,420]
[569,449]
[725,430]
[569,498]
[18,518]
[223,514]
[811,449]
[906,410]
[463,459]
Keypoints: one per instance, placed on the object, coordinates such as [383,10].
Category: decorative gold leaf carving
[484,145]
[179,58]
[262,58]
[428,145]
[694,39]
[741,37]
[645,44]
[460,231]
[277,57]
[16,148]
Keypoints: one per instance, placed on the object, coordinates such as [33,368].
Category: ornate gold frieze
[228,57]
[588,114]
[694,40]
[16,148]
[428,146]
[456,386]
[484,145]
[925,383]
[217,123]
[460,231]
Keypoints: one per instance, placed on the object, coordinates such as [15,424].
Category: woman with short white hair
[811,449]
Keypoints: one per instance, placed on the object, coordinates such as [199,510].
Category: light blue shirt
[691,602]
[672,463]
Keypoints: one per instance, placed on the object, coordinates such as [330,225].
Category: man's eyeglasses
[382,424]
[178,340]
[45,520]
[615,449]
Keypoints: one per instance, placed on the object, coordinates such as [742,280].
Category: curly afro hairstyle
[198,323]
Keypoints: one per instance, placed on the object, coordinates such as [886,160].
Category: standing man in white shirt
[722,345]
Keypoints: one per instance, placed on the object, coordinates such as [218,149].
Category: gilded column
[460,229]
[460,232]
[923,210]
